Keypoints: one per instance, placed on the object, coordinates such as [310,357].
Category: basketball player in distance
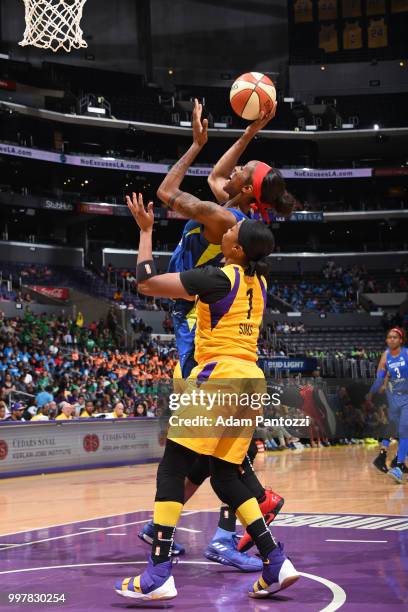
[201,245]
[225,298]
[393,366]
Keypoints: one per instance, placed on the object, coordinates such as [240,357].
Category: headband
[257,178]
[398,331]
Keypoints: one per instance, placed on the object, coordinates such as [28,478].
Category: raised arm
[171,183]
[157,285]
[215,219]
[226,164]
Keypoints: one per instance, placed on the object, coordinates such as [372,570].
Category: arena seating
[387,110]
[309,293]
[345,340]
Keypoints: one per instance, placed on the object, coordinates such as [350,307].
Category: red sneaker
[270,508]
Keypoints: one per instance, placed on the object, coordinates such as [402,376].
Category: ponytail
[260,267]
[273,192]
[285,204]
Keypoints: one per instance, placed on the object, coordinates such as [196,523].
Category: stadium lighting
[322,67]
[108,158]
[376,126]
[311,128]
[347,126]
[402,63]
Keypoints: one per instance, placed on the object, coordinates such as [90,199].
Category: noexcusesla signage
[110,163]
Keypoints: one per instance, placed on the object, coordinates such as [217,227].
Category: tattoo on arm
[176,174]
[191,207]
[172,199]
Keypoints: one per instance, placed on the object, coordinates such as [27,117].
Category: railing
[11,395]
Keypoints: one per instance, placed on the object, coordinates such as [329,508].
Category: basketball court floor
[344,525]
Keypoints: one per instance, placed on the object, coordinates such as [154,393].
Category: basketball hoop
[53,24]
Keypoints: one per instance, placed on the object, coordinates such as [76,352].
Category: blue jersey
[193,251]
[397,368]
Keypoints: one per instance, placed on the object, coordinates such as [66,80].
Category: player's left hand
[200,134]
[144,218]
[262,121]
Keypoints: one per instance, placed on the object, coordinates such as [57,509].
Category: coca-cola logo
[3,449]
[60,293]
[91,443]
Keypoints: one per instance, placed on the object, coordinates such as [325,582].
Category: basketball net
[53,24]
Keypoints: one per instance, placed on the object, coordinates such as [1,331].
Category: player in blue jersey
[244,191]
[393,366]
[254,186]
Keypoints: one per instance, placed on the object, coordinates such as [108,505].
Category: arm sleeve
[378,382]
[209,283]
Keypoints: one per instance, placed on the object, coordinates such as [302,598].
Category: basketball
[252,93]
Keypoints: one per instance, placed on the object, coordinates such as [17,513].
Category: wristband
[145,270]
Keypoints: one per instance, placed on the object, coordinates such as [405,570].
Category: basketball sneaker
[223,549]
[396,474]
[379,463]
[147,535]
[278,573]
[402,467]
[270,508]
[155,583]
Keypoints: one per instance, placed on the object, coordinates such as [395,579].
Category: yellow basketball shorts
[214,412]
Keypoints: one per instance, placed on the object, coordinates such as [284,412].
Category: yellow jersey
[229,327]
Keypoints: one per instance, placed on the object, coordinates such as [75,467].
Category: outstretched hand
[200,134]
[262,120]
[144,218]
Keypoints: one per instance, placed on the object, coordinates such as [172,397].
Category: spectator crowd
[57,367]
[339,290]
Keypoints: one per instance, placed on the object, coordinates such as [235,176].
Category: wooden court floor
[334,480]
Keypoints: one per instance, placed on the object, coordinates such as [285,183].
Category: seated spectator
[118,411]
[16,412]
[43,413]
[3,410]
[89,410]
[140,410]
[66,411]
[8,385]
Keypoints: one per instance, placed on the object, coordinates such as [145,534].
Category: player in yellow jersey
[230,304]
[238,189]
